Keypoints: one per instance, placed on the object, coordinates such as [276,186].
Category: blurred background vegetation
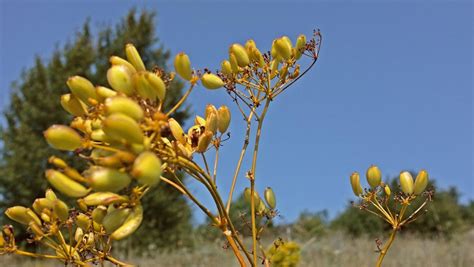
[34,105]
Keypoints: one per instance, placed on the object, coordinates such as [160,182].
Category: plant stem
[384,250]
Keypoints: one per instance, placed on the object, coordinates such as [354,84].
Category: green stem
[384,250]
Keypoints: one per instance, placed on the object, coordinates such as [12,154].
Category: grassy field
[332,250]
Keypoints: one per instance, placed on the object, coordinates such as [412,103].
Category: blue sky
[393,85]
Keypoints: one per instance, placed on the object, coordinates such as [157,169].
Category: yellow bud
[240,54]
[123,128]
[211,81]
[57,162]
[300,46]
[274,66]
[61,210]
[249,45]
[73,105]
[257,57]
[62,137]
[198,120]
[114,219]
[226,68]
[79,234]
[83,221]
[355,183]
[224,118]
[212,122]
[273,51]
[204,141]
[374,176]
[182,66]
[406,183]
[177,131]
[18,214]
[387,190]
[283,48]
[50,194]
[421,182]
[147,168]
[36,230]
[120,79]
[109,180]
[104,198]
[142,86]
[114,60]
[130,225]
[134,57]
[82,206]
[261,207]
[124,105]
[45,217]
[234,65]
[65,184]
[210,109]
[42,203]
[105,92]
[269,196]
[82,88]
[157,85]
[99,213]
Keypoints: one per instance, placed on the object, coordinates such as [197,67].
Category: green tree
[34,105]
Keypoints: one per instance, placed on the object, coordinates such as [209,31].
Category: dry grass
[332,250]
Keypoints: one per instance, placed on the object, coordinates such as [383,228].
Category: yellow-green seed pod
[283,48]
[387,190]
[98,214]
[157,85]
[114,219]
[300,46]
[182,66]
[36,230]
[82,88]
[42,203]
[134,57]
[210,109]
[211,81]
[65,185]
[240,54]
[143,87]
[108,180]
[83,221]
[121,127]
[212,122]
[234,65]
[2,241]
[58,163]
[99,135]
[124,105]
[269,196]
[82,206]
[198,120]
[249,45]
[45,217]
[61,210]
[226,68]
[274,52]
[256,197]
[421,182]
[204,141]
[406,183]
[33,216]
[50,194]
[62,137]
[130,225]
[177,131]
[73,105]
[120,79]
[78,235]
[115,60]
[104,92]
[104,198]
[261,208]
[355,183]
[224,118]
[258,58]
[374,176]
[147,168]
[18,214]
[274,66]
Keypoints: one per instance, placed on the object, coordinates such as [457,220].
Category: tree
[35,105]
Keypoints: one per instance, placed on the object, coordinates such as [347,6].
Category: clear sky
[393,85]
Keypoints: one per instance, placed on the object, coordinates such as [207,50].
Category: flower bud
[42,203]
[234,65]
[61,210]
[223,118]
[177,131]
[73,105]
[210,108]
[283,48]
[374,176]
[143,86]
[83,221]
[147,168]
[114,219]
[421,182]
[240,54]
[134,57]
[211,81]
[50,194]
[62,137]
[123,128]
[120,79]
[226,68]
[204,141]
[182,66]
[99,213]
[212,122]
[103,198]
[65,185]
[36,230]
[249,45]
[157,85]
[406,183]
[115,60]
[105,92]
[82,88]
[256,197]
[124,105]
[108,180]
[257,57]
[198,120]
[355,183]
[78,235]
[269,196]
[387,190]
[18,214]
[300,46]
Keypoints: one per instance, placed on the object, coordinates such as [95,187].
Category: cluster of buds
[379,198]
[264,208]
